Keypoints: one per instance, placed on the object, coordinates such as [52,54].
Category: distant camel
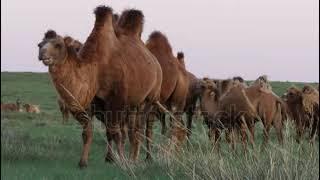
[30,108]
[12,106]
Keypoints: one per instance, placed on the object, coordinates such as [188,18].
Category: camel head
[209,90]
[52,49]
[293,96]
[263,81]
[18,102]
[307,89]
[238,80]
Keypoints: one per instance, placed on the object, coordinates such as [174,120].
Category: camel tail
[165,110]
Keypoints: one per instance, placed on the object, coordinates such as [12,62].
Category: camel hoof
[109,158]
[82,164]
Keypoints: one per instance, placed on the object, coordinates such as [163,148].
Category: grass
[39,146]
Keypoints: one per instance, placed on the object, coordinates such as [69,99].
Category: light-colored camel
[31,108]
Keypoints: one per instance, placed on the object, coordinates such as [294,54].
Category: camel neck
[76,78]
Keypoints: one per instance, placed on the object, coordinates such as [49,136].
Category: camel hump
[157,40]
[131,22]
[157,35]
[50,34]
[102,13]
[180,55]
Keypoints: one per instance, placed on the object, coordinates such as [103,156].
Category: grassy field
[39,146]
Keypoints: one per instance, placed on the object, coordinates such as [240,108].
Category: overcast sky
[220,38]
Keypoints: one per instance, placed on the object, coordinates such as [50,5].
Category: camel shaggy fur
[303,106]
[112,68]
[240,107]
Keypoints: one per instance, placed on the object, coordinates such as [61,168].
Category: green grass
[39,146]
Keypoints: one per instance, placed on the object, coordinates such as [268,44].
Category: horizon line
[313,82]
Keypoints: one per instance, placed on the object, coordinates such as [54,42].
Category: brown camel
[111,68]
[12,106]
[174,87]
[234,110]
[255,100]
[193,95]
[214,104]
[303,106]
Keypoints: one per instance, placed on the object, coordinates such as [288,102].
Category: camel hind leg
[141,118]
[149,133]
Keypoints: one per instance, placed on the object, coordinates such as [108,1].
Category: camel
[193,95]
[303,106]
[229,107]
[109,67]
[174,88]
[12,106]
[30,108]
[232,110]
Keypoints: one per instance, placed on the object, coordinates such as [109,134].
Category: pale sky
[220,38]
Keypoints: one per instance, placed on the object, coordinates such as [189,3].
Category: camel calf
[30,108]
[11,106]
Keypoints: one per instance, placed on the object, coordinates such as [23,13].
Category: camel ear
[68,40]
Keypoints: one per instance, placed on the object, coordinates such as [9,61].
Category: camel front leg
[214,136]
[132,115]
[230,137]
[83,118]
[178,131]
[189,123]
[114,133]
[244,138]
[315,126]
